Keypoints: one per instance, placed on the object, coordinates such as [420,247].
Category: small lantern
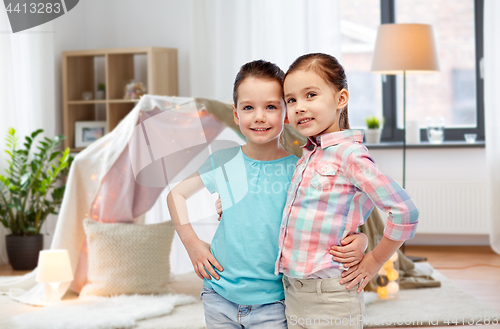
[54,268]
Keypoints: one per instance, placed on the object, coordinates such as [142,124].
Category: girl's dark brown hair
[330,70]
[258,69]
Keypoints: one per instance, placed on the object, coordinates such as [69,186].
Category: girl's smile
[304,122]
[260,130]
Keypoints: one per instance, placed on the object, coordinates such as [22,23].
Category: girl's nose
[299,108]
[260,116]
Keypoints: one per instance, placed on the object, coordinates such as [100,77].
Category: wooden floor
[483,282]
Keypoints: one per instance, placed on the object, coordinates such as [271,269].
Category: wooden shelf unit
[79,75]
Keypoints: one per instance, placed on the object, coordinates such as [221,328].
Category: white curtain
[27,86]
[492,114]
[227,33]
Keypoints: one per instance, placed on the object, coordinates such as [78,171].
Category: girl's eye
[247,108]
[271,107]
[311,95]
[291,100]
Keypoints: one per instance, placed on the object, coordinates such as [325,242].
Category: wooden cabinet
[84,70]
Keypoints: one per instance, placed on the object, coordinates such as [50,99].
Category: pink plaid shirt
[333,191]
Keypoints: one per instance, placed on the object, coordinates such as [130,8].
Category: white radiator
[450,207]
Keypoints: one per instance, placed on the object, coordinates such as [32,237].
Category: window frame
[391,133]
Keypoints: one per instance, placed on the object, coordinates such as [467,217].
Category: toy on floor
[387,278]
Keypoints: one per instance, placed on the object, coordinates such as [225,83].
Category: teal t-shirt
[253,195]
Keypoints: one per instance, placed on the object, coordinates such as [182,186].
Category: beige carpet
[418,307]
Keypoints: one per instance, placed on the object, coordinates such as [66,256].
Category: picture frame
[87,132]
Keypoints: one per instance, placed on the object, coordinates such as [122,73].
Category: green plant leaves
[372,122]
[53,156]
[36,133]
[26,180]
[17,204]
[25,201]
[58,193]
[5,180]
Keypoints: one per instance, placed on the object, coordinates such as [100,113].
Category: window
[463,107]
[359,21]
[454,93]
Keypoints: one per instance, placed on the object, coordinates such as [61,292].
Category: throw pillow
[127,258]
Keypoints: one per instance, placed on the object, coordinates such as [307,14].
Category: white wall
[167,23]
[452,164]
[95,24]
[460,164]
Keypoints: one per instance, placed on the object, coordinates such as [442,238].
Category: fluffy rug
[94,312]
[442,306]
[418,307]
[427,307]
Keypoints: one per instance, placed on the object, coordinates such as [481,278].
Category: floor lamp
[405,48]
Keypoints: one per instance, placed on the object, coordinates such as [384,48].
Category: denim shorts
[221,313]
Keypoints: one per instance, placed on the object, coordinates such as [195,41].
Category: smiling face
[260,110]
[313,105]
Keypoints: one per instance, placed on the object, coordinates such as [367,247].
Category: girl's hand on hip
[202,259]
[361,273]
[352,250]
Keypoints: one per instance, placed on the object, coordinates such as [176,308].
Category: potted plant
[29,193]
[374,131]
[101,91]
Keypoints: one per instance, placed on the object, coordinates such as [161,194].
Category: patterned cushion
[127,258]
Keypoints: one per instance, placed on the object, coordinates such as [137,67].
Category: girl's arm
[198,250]
[390,197]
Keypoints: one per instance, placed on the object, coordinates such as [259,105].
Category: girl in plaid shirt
[333,190]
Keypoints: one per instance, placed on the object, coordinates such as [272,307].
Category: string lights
[388,277]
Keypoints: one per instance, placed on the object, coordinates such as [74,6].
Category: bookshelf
[83,70]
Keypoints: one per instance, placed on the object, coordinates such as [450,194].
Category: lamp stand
[54,297]
[412,258]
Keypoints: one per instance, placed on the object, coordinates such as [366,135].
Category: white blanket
[102,185]
[94,312]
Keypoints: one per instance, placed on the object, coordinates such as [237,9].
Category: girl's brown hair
[330,70]
[258,69]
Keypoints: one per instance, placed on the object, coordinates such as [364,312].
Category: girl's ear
[343,99]
[286,119]
[235,114]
